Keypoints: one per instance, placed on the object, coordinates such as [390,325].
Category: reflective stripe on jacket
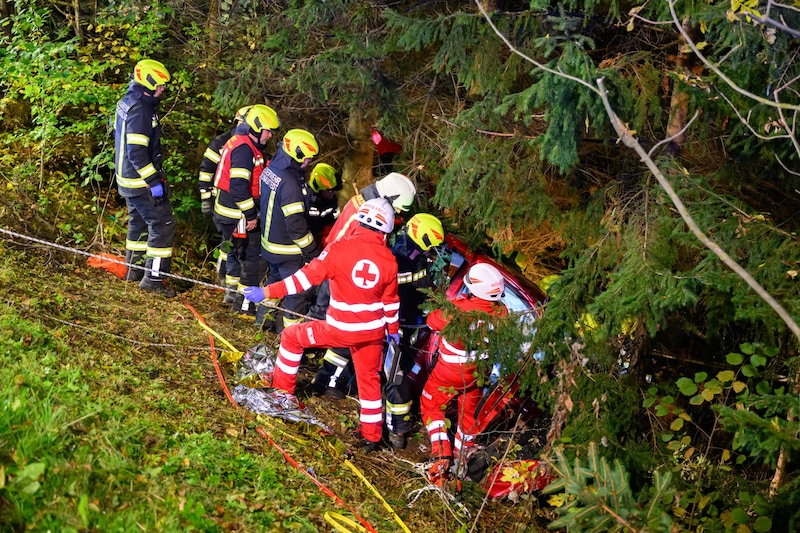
[137,141]
[285,200]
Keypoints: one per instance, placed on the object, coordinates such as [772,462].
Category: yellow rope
[218,336]
[339,521]
[378,494]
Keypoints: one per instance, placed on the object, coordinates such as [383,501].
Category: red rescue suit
[363,309]
[454,374]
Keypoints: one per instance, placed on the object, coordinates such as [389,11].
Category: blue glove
[393,337]
[254,294]
[157,190]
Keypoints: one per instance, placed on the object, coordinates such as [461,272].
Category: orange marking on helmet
[310,148]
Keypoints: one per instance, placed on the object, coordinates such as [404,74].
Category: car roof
[514,278]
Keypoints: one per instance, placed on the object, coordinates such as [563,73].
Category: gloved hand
[157,190]
[257,294]
[207,206]
[393,337]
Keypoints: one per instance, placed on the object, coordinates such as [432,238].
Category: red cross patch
[365,274]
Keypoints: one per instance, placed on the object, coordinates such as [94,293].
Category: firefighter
[236,208]
[324,181]
[420,235]
[363,311]
[455,373]
[208,167]
[286,240]
[333,376]
[140,179]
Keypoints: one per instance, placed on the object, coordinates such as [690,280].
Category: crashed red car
[502,405]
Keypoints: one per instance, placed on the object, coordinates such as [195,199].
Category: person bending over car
[455,374]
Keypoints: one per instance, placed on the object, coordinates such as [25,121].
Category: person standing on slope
[364,304]
[140,178]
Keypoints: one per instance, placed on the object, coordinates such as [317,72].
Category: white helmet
[485,281]
[377,214]
[398,189]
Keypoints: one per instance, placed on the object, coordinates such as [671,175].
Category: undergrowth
[113,419]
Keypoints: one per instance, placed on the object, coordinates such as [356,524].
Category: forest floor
[163,342]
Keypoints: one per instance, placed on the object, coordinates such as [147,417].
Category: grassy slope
[113,419]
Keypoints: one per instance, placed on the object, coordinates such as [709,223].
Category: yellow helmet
[239,117]
[323,178]
[425,230]
[300,144]
[261,117]
[150,73]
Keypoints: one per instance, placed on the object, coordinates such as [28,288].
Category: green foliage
[596,496]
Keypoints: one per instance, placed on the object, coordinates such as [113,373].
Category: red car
[502,404]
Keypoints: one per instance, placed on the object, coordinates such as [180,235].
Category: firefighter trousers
[151,231]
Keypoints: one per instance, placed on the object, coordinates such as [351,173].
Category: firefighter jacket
[208,166]
[363,281]
[237,179]
[285,200]
[453,352]
[412,275]
[137,140]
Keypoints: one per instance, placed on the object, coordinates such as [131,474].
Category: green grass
[77,454]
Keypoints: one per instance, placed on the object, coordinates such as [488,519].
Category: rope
[136,267]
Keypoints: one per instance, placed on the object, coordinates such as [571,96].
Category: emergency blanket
[273,402]
[254,376]
[512,478]
[109,262]
[256,366]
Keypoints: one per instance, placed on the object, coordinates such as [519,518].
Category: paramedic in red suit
[363,310]
[455,372]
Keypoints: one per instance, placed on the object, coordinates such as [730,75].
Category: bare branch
[772,22]
[716,70]
[671,138]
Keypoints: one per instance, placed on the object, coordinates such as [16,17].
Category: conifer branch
[529,59]
[627,138]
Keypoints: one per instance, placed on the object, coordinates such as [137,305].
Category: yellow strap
[378,494]
[218,336]
[339,521]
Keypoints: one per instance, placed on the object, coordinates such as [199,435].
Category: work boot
[230,295]
[369,446]
[398,441]
[158,286]
[134,274]
[336,394]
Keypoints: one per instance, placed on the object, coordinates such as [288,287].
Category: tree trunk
[6,10]
[679,103]
[357,171]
